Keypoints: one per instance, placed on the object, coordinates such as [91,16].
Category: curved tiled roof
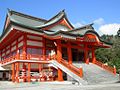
[33,22]
[36,24]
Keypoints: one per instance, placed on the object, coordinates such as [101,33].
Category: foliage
[110,55]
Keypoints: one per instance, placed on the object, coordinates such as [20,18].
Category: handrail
[38,57]
[71,67]
[27,57]
[106,67]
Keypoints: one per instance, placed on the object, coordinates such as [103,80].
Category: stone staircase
[69,72]
[93,74]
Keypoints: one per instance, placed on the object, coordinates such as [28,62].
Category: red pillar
[59,58]
[86,54]
[24,47]
[29,69]
[24,72]
[40,69]
[13,72]
[69,52]
[44,49]
[17,51]
[93,56]
[17,72]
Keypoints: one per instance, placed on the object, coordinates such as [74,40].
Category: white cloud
[110,29]
[99,21]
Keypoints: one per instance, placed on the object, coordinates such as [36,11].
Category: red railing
[35,57]
[106,67]
[71,67]
[38,57]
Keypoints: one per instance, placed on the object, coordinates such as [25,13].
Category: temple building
[35,49]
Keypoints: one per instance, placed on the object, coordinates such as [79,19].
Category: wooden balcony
[28,57]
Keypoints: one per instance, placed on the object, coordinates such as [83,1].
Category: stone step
[94,74]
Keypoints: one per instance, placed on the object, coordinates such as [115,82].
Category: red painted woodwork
[13,35]
[17,72]
[24,72]
[13,72]
[24,46]
[29,69]
[59,50]
[69,52]
[86,58]
[72,68]
[106,67]
[65,23]
[44,49]
[59,58]
[93,56]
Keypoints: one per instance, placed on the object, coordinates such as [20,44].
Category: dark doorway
[81,55]
[74,54]
[77,55]
[64,76]
[64,53]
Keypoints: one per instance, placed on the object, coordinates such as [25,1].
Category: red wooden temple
[44,50]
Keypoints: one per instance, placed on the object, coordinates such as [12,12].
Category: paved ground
[56,86]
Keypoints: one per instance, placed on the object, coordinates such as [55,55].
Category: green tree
[110,55]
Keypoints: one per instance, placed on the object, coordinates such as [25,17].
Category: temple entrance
[64,53]
[77,55]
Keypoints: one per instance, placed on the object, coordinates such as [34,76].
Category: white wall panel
[8,51]
[34,37]
[3,54]
[34,43]
[20,38]
[20,44]
[14,43]
[13,48]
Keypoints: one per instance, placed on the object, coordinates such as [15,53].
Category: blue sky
[104,13]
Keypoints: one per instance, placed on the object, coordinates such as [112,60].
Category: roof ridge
[82,27]
[25,15]
[85,26]
[58,14]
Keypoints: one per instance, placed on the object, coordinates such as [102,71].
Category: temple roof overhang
[37,23]
[17,22]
